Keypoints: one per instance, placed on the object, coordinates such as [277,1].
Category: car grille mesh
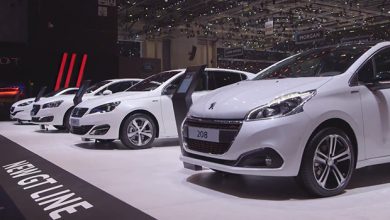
[35,110]
[228,131]
[81,130]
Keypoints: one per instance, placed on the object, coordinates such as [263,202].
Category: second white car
[145,111]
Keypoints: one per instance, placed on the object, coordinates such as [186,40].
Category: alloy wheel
[140,131]
[332,162]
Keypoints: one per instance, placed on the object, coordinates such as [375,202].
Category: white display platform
[155,182]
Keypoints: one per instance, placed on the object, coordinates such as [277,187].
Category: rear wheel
[328,163]
[138,131]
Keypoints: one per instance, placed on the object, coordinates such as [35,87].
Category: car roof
[124,79]
[217,69]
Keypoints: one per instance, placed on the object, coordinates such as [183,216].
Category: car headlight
[25,103]
[53,104]
[105,108]
[282,106]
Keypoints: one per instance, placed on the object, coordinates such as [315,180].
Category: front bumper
[287,136]
[96,126]
[49,116]
[22,114]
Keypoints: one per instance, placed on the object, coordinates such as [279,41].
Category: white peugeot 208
[145,111]
[317,115]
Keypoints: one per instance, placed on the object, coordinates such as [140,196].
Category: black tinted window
[328,61]
[152,82]
[120,86]
[382,62]
[366,73]
[218,79]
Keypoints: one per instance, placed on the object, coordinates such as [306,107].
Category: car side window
[117,87]
[70,92]
[203,82]
[366,73]
[382,63]
[171,88]
[219,79]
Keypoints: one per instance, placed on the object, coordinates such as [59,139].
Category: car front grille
[80,130]
[79,112]
[35,110]
[228,130]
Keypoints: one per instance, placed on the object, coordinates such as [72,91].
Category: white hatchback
[145,111]
[317,115]
[21,110]
[56,110]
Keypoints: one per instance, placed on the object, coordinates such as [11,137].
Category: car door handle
[354,91]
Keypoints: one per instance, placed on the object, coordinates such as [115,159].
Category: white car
[21,110]
[56,110]
[145,111]
[317,115]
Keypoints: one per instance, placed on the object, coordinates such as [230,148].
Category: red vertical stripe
[70,70]
[61,71]
[81,72]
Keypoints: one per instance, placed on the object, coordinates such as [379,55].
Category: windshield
[96,86]
[152,82]
[328,61]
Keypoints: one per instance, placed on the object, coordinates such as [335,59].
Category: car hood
[22,101]
[65,98]
[235,101]
[121,96]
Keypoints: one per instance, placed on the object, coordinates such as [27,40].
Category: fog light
[260,158]
[100,130]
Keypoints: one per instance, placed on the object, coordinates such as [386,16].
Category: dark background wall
[34,34]
[38,32]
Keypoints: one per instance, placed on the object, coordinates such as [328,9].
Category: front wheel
[67,120]
[138,131]
[328,163]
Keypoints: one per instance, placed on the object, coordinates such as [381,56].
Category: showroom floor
[155,182]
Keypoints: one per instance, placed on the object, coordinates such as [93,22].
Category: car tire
[66,120]
[328,163]
[135,134]
[59,127]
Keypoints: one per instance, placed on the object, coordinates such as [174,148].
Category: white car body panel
[366,111]
[160,106]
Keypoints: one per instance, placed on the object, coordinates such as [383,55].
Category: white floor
[155,182]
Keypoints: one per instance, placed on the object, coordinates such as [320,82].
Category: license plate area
[203,134]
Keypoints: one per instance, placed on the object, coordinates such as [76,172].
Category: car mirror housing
[380,81]
[107,92]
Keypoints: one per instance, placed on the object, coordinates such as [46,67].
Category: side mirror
[382,77]
[380,81]
[107,92]
[169,90]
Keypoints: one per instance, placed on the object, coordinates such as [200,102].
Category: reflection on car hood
[235,101]
[91,103]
